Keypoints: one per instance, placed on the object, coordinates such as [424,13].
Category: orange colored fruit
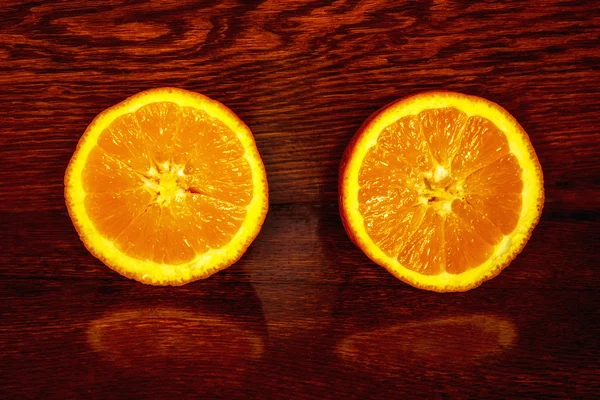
[442,189]
[167,187]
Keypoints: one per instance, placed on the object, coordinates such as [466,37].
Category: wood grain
[304,314]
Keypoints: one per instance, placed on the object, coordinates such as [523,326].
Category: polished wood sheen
[304,314]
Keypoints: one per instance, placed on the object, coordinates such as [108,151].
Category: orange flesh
[166,183]
[439,190]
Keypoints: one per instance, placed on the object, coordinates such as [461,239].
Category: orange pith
[436,188]
[164,181]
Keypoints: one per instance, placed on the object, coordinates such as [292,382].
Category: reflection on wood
[454,343]
[295,308]
[164,338]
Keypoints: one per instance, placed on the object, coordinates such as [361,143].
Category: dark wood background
[304,314]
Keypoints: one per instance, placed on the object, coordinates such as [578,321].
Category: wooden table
[304,314]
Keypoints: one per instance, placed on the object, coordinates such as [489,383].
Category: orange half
[442,189]
[167,187]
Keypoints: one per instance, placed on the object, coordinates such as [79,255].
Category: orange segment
[124,140]
[404,140]
[501,176]
[158,123]
[139,238]
[477,221]
[229,184]
[442,189]
[167,187]
[442,128]
[104,173]
[502,210]
[423,251]
[465,248]
[204,140]
[218,220]
[112,212]
[481,144]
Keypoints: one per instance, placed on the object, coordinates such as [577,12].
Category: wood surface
[304,314]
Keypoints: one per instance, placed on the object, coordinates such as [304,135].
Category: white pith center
[439,190]
[167,181]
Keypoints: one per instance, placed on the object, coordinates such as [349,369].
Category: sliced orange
[442,189]
[167,187]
